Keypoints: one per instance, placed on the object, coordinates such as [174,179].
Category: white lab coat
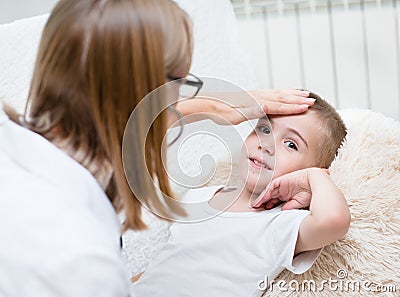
[59,234]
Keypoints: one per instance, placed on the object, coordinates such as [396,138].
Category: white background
[11,10]
[384,87]
[350,55]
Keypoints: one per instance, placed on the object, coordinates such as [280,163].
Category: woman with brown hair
[97,59]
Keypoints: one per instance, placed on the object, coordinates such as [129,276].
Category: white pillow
[217,52]
[18,48]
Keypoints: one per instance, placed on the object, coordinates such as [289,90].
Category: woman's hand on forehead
[283,101]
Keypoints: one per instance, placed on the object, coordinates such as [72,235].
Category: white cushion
[18,48]
[217,52]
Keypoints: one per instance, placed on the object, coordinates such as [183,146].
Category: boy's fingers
[260,200]
[263,197]
[272,203]
[266,194]
[292,204]
[275,193]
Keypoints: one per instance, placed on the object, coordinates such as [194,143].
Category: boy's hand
[292,188]
[329,216]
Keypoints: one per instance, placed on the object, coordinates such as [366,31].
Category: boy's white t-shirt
[227,255]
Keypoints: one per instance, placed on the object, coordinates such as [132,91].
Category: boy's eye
[291,145]
[264,129]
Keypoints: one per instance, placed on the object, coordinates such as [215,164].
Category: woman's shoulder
[35,172]
[55,217]
[30,152]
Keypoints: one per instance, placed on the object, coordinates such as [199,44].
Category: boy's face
[292,146]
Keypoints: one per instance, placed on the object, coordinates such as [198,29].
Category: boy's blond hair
[332,128]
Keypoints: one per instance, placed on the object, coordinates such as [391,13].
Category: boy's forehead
[271,118]
[266,119]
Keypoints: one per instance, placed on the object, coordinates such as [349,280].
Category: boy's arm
[329,217]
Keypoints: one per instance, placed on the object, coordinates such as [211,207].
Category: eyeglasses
[189,86]
[176,132]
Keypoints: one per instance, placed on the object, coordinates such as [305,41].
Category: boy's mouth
[258,163]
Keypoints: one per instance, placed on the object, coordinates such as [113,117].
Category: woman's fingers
[250,113]
[271,102]
[255,112]
[302,93]
[292,96]
[295,99]
[284,108]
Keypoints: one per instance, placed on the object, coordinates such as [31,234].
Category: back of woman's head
[97,59]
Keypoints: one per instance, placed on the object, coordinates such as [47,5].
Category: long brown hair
[97,59]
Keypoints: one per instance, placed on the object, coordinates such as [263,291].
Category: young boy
[229,254]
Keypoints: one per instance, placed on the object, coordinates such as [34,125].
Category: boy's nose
[267,146]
